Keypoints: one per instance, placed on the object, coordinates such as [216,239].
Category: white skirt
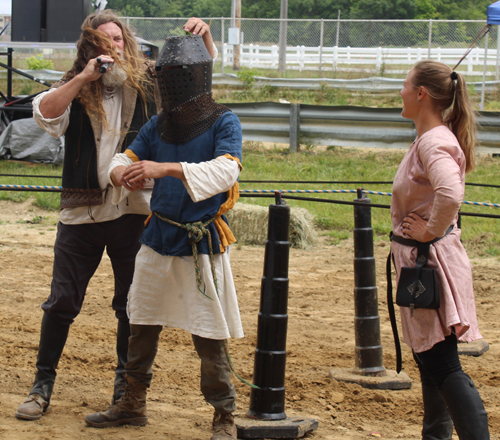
[164,292]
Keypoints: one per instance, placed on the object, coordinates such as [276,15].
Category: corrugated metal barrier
[343,126]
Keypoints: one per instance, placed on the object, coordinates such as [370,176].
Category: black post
[268,401]
[9,73]
[368,350]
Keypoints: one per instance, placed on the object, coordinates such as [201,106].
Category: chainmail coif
[189,120]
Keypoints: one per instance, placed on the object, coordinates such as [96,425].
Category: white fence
[378,59]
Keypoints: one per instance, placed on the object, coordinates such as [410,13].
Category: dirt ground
[320,337]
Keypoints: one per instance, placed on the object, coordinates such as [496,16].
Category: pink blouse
[430,182]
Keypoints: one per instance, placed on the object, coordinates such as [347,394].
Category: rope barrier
[344,202]
[257,192]
[334,191]
[36,188]
[27,175]
[366,182]
[299,191]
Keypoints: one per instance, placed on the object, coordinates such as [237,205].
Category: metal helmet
[183,70]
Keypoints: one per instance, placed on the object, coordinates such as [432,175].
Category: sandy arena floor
[320,337]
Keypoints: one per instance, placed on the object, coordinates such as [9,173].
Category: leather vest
[80,177]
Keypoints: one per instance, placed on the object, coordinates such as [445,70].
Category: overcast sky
[5,7]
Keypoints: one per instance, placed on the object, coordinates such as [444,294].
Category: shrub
[37,63]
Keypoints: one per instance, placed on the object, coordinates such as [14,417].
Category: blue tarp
[493,13]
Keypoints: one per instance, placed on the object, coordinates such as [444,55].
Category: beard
[114,77]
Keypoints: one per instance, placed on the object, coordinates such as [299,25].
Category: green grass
[46,200]
[250,92]
[331,96]
[480,235]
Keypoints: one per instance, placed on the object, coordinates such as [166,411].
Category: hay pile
[249,224]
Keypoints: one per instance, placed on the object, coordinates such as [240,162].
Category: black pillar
[368,350]
[268,401]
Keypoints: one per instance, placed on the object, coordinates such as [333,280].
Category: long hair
[453,102]
[90,96]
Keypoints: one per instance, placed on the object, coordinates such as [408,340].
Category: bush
[37,63]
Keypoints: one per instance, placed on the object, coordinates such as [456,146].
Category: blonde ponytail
[453,101]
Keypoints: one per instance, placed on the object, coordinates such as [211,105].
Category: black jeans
[439,362]
[78,251]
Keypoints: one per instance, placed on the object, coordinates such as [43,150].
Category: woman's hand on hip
[415,227]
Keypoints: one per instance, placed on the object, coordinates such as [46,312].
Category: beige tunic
[430,182]
[164,290]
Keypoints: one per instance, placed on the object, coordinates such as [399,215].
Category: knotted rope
[196,232]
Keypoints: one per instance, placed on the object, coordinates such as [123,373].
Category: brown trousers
[215,383]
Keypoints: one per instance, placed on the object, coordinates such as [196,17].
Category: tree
[140,8]
[427,9]
[260,9]
[384,9]
[312,9]
[316,9]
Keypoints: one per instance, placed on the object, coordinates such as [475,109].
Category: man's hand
[91,71]
[119,180]
[55,103]
[198,27]
[134,176]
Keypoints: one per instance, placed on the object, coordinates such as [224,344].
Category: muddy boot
[122,335]
[52,340]
[34,407]
[129,410]
[223,425]
[466,407]
[437,424]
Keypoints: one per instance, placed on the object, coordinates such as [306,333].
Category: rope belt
[196,232]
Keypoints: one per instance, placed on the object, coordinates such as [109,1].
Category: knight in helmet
[182,277]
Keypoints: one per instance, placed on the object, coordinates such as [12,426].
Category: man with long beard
[100,115]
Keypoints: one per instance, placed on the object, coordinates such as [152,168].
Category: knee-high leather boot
[466,407]
[52,340]
[437,423]
[122,335]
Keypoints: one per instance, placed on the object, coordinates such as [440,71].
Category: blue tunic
[170,198]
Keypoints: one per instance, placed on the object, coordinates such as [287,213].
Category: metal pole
[368,349]
[294,127]
[9,72]
[268,401]
[283,36]
[19,72]
[233,13]
[222,44]
[430,39]
[498,53]
[484,70]
[321,33]
[338,29]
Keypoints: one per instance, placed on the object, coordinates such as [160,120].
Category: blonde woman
[427,193]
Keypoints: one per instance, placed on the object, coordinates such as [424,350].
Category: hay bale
[249,224]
